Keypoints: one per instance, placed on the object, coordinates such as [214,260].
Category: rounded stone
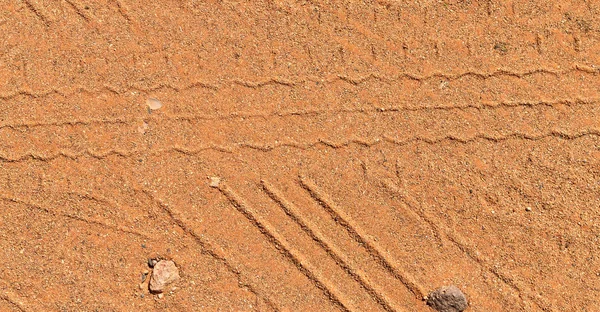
[447,299]
[153,104]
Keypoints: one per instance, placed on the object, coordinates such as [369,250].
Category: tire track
[77,10]
[12,299]
[209,249]
[362,237]
[461,243]
[108,153]
[334,252]
[76,218]
[38,13]
[303,264]
[304,113]
[35,156]
[255,84]
[421,214]
[123,11]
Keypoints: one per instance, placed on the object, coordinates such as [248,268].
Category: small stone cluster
[164,273]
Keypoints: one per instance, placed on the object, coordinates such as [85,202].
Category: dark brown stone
[447,299]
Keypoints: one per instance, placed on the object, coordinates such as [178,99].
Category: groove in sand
[362,237]
[302,263]
[376,291]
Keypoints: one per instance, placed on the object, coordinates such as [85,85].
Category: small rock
[152,262]
[165,272]
[528,209]
[443,84]
[153,104]
[214,181]
[160,296]
[501,47]
[447,299]
[143,128]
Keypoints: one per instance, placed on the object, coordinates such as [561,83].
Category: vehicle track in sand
[367,154]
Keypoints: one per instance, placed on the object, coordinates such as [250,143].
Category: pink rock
[164,273]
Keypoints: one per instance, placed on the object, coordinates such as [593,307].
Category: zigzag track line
[305,113]
[338,256]
[301,146]
[485,137]
[105,154]
[362,237]
[208,248]
[427,140]
[302,263]
[291,83]
[524,293]
[104,89]
[77,218]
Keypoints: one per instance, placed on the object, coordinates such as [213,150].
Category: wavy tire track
[301,146]
[356,80]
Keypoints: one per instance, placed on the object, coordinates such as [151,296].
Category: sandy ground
[360,155]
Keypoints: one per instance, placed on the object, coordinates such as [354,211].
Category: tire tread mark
[304,113]
[460,242]
[290,252]
[362,237]
[334,252]
[31,155]
[78,10]
[107,153]
[123,11]
[74,217]
[254,84]
[208,248]
[11,299]
[422,215]
[38,13]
